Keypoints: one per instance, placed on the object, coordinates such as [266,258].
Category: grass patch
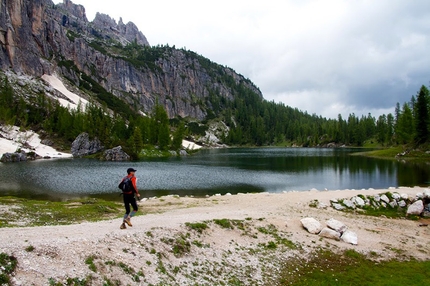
[180,244]
[7,266]
[197,226]
[224,223]
[353,268]
[279,240]
[230,223]
[24,212]
[389,153]
[90,262]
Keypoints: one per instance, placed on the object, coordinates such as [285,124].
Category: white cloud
[324,57]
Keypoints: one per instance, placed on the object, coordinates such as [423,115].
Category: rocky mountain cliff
[106,59]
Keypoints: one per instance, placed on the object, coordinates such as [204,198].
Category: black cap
[129,170]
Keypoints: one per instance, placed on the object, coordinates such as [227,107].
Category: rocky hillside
[105,59]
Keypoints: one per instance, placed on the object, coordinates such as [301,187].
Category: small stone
[338,207]
[402,204]
[404,196]
[377,198]
[330,233]
[396,196]
[321,205]
[393,204]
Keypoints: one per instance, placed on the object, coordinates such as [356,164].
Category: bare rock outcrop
[39,37]
[83,146]
[115,154]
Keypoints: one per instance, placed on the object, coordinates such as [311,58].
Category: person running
[129,198]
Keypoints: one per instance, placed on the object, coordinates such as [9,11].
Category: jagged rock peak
[128,31]
[74,9]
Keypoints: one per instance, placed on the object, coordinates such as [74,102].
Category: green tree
[178,136]
[405,125]
[422,116]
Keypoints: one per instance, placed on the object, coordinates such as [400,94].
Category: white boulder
[349,204]
[404,196]
[393,204]
[330,233]
[415,208]
[385,199]
[349,237]
[311,225]
[336,225]
[396,196]
[338,207]
[359,202]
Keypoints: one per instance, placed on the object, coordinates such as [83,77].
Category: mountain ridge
[102,56]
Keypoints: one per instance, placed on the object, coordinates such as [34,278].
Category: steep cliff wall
[38,37]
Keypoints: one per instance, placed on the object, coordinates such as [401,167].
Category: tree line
[41,112]
[259,122]
[252,121]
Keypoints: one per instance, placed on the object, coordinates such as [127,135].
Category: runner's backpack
[126,185]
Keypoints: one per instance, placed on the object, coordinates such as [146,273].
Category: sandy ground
[216,254]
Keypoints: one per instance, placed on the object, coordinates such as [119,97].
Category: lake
[212,171]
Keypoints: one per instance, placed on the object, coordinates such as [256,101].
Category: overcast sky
[325,57]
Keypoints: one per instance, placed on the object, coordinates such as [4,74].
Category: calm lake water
[212,171]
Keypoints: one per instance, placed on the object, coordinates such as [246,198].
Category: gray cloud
[323,57]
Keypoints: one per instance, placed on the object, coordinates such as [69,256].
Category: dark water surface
[212,171]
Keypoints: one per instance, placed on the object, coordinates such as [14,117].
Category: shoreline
[65,248]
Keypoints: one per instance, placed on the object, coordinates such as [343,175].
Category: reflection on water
[212,171]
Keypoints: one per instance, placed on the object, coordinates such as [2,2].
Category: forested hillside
[147,96]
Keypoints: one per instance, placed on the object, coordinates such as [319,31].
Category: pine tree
[405,125]
[422,116]
[178,136]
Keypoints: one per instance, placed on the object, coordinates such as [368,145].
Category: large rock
[349,237]
[14,157]
[311,225]
[349,204]
[415,208]
[338,206]
[385,199]
[115,154]
[359,202]
[336,225]
[329,233]
[83,146]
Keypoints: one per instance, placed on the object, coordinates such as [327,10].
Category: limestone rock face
[83,146]
[38,37]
